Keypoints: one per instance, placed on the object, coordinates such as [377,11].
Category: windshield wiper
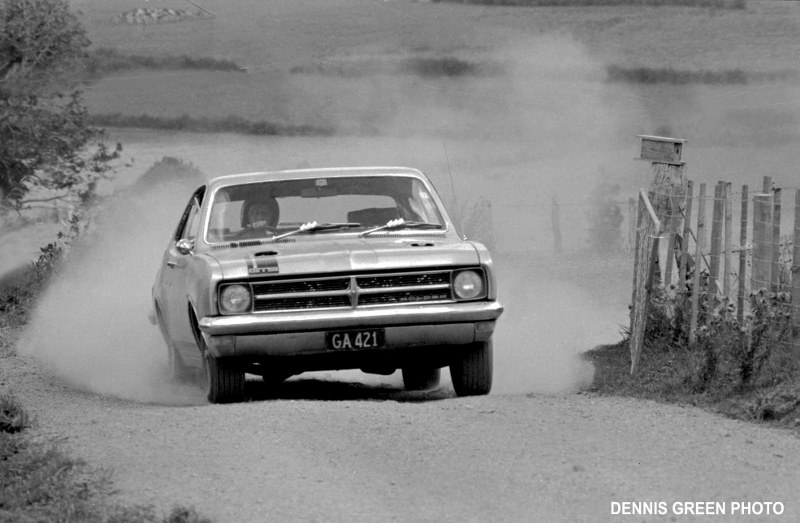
[400,223]
[317,227]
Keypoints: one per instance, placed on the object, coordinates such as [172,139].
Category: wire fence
[738,263]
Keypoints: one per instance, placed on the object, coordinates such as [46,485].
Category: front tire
[224,380]
[416,378]
[471,372]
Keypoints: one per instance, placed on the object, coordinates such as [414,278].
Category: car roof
[298,174]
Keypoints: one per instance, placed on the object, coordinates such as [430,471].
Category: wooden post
[716,240]
[762,237]
[631,223]
[555,216]
[776,238]
[687,231]
[669,262]
[646,254]
[669,184]
[742,257]
[767,184]
[796,275]
[698,263]
[728,252]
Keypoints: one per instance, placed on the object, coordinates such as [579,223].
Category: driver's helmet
[260,212]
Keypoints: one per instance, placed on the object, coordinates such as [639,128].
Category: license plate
[354,340]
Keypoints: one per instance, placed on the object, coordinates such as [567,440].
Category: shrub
[13,418]
[757,352]
[44,134]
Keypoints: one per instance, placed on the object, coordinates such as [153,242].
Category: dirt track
[321,450]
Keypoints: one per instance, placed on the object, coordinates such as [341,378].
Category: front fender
[485,259]
[202,277]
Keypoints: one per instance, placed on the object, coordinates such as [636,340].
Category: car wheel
[224,381]
[420,378]
[472,370]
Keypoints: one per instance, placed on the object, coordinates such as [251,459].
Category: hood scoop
[421,244]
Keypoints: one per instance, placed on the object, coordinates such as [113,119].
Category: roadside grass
[671,374]
[38,480]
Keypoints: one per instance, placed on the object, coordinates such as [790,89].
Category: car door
[173,298]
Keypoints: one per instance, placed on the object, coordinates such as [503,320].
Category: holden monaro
[279,273]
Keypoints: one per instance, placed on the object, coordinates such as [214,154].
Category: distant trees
[44,133]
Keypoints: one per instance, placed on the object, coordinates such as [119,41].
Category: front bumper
[303,332]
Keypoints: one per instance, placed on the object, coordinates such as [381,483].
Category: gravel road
[315,449]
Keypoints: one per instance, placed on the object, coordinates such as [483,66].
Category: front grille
[403,297]
[404,280]
[338,284]
[353,291]
[320,302]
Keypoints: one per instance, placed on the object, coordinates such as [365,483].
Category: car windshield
[266,210]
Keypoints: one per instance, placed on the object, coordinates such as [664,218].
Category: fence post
[742,256]
[648,228]
[727,274]
[669,184]
[762,237]
[687,231]
[555,216]
[698,263]
[631,223]
[716,240]
[776,238]
[796,275]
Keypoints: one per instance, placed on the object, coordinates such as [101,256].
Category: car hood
[342,255]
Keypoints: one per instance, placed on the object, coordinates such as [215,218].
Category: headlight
[468,285]
[235,298]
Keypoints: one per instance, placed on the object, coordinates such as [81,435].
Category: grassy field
[719,77]
[283,33]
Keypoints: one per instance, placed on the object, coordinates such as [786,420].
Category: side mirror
[184,246]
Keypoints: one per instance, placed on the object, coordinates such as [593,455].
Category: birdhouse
[660,149]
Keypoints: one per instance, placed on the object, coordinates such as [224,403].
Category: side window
[190,221]
[192,224]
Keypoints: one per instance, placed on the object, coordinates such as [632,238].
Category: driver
[261,213]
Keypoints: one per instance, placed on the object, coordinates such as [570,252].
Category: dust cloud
[564,132]
[544,127]
[91,326]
